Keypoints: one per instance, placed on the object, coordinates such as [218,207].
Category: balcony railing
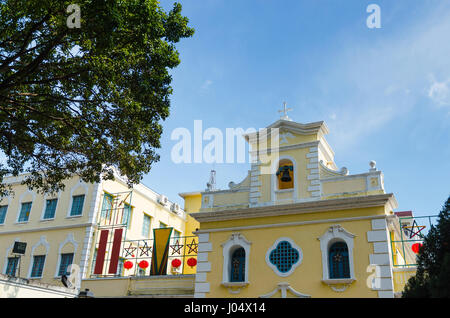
[412,233]
[135,257]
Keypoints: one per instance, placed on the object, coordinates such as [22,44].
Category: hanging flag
[160,250]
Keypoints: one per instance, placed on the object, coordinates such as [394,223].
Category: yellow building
[63,229]
[296,225]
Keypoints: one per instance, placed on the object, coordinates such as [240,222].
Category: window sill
[338,281]
[73,216]
[45,220]
[284,190]
[234,287]
[339,284]
[235,284]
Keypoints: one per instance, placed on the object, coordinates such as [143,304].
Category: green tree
[80,100]
[432,279]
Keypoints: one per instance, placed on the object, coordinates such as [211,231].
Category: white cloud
[206,84]
[439,92]
[376,82]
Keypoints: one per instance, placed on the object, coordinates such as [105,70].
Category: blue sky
[384,93]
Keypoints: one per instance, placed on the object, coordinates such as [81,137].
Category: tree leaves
[84,100]
[433,264]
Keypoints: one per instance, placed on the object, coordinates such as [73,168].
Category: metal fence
[413,230]
[136,257]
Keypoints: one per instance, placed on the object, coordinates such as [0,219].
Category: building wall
[50,237]
[18,288]
[78,235]
[307,277]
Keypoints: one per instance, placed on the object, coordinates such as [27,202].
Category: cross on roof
[284,111]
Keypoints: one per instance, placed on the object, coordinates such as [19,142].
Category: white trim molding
[293,266]
[86,191]
[236,240]
[274,180]
[380,261]
[42,241]
[202,286]
[44,205]
[336,233]
[284,288]
[8,254]
[20,205]
[69,240]
[89,234]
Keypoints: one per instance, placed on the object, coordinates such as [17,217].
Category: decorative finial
[373,165]
[284,111]
[211,185]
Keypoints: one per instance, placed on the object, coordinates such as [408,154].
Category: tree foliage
[83,100]
[432,279]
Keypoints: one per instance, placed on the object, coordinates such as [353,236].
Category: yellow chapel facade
[297,226]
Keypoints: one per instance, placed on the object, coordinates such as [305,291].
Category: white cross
[284,111]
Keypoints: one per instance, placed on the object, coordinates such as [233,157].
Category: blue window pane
[338,261]
[238,265]
[126,216]
[38,266]
[50,209]
[120,267]
[107,206]
[3,210]
[66,260]
[77,205]
[25,212]
[146,226]
[11,268]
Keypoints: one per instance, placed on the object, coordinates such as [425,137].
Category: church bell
[285,177]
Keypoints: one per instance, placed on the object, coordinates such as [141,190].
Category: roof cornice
[299,208]
[302,129]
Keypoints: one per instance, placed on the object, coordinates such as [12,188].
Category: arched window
[285,174]
[237,273]
[338,260]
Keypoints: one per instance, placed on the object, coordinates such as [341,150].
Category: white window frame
[336,233]
[274,179]
[42,241]
[45,207]
[21,200]
[235,241]
[144,215]
[73,194]
[69,240]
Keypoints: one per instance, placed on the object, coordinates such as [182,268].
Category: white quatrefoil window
[284,256]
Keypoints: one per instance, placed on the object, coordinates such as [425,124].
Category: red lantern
[128,264]
[192,262]
[416,247]
[143,264]
[176,263]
